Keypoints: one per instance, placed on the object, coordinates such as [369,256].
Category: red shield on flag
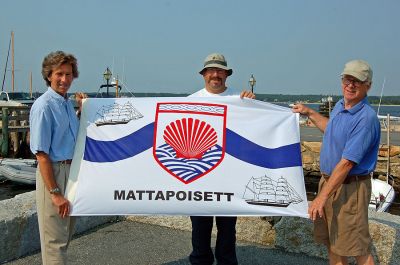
[189,138]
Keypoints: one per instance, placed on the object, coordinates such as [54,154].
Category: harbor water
[393,110]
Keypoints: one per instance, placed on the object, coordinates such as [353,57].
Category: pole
[5,67]
[4,132]
[12,57]
[116,88]
[388,147]
[329,108]
[107,88]
[380,98]
[30,86]
[252,83]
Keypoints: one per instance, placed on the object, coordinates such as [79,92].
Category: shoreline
[319,103]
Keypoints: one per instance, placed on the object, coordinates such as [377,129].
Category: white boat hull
[382,195]
[19,170]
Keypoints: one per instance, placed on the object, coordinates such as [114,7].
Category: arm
[339,174]
[79,96]
[46,170]
[316,118]
[247,94]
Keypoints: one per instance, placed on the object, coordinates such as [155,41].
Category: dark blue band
[236,146]
[125,147]
[252,153]
[215,62]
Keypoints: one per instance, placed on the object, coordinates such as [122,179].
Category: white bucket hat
[216,60]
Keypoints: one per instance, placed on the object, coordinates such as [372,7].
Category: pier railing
[14,128]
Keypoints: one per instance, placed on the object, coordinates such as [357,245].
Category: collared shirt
[204,93]
[53,126]
[353,134]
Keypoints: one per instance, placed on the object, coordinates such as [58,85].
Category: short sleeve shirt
[53,126]
[352,134]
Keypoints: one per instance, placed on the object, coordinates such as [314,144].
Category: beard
[218,84]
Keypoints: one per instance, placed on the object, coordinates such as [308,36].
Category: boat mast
[30,86]
[380,99]
[5,67]
[116,88]
[12,60]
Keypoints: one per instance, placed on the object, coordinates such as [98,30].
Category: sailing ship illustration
[264,191]
[117,114]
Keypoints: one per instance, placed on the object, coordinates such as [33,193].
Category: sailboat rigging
[5,68]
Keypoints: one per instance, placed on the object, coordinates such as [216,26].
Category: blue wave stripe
[123,148]
[200,166]
[162,153]
[185,168]
[236,146]
[245,150]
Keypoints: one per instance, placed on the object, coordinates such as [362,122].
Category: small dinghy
[19,170]
[382,194]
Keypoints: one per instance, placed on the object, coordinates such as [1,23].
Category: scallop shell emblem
[190,138]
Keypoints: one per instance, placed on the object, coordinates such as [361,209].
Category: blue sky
[291,47]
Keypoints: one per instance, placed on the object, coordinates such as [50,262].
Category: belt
[349,179]
[67,162]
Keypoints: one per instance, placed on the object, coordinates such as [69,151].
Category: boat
[4,102]
[13,98]
[264,191]
[114,85]
[117,114]
[382,194]
[22,171]
[384,120]
[326,106]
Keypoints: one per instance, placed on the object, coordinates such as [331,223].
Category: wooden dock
[14,129]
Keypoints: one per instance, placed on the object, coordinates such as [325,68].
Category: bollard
[4,132]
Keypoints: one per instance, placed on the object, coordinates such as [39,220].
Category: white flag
[221,156]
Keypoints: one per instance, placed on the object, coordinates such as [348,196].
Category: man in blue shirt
[348,156]
[53,132]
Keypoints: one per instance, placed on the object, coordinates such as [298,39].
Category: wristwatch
[55,190]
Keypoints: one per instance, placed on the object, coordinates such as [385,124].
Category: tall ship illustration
[117,114]
[265,191]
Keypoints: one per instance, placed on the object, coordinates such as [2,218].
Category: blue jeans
[225,249]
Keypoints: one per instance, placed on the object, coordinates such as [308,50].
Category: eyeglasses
[215,70]
[356,83]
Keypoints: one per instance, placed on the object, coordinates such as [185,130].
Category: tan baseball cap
[359,69]
[216,60]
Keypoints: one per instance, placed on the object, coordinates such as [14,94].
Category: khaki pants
[345,229]
[55,232]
